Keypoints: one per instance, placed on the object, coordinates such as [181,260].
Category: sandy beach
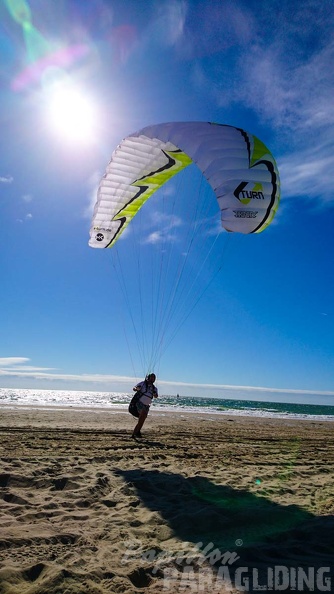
[203,503]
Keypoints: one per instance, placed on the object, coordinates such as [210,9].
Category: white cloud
[13,367]
[17,365]
[308,174]
[289,93]
[6,179]
[160,237]
[295,95]
[23,370]
[28,217]
[165,227]
[167,25]
[168,221]
[27,198]
[215,27]
[226,387]
[284,73]
[6,361]
[155,237]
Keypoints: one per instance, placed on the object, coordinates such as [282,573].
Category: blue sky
[265,325]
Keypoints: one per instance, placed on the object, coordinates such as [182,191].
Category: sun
[72,114]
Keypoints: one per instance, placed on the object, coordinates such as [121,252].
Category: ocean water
[119,401]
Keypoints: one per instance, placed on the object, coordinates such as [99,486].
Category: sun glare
[72,115]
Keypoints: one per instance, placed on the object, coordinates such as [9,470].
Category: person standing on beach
[147,391]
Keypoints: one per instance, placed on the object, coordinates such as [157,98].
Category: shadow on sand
[284,548]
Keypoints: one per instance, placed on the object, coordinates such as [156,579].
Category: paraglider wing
[240,169]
